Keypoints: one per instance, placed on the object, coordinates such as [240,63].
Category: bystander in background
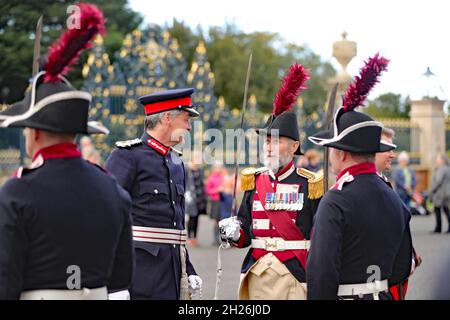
[440,191]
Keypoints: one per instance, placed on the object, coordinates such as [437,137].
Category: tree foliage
[17,30]
[228,50]
[389,105]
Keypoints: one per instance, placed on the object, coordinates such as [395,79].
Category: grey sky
[412,34]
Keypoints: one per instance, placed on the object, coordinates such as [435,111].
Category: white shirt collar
[287,173]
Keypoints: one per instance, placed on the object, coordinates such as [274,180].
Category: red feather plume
[68,48]
[357,92]
[293,84]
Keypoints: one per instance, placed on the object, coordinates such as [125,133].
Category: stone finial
[344,51]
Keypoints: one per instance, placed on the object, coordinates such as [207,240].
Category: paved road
[422,283]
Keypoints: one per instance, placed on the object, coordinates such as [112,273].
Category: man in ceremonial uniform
[361,241]
[277,209]
[154,175]
[65,224]
[383,162]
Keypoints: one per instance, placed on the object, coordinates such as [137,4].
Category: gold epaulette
[315,182]
[248,177]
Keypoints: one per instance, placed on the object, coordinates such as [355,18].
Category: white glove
[195,284]
[119,295]
[229,229]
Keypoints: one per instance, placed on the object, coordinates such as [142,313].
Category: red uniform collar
[285,169]
[60,150]
[361,168]
[158,146]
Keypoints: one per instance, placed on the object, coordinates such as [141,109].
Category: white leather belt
[262,224]
[159,235]
[363,288]
[61,294]
[279,244]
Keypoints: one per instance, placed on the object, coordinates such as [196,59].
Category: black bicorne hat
[355,131]
[284,125]
[51,103]
[53,106]
[281,121]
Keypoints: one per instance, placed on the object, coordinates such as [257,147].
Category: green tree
[228,50]
[389,105]
[314,97]
[17,28]
[187,39]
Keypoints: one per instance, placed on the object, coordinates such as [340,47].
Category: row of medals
[284,201]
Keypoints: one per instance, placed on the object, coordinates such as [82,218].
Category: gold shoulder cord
[315,182]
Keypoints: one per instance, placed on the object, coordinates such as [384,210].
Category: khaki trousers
[269,279]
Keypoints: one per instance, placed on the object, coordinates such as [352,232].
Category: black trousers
[437,211]
[192,227]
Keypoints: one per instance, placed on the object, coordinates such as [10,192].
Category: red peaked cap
[175,99]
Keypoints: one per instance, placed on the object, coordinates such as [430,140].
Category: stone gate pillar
[428,115]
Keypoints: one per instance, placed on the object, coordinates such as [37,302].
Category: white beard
[276,163]
[273,163]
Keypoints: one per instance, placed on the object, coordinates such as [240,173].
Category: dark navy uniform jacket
[361,225]
[64,212]
[303,220]
[154,176]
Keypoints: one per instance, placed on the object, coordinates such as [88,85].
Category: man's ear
[36,134]
[164,119]
[168,118]
[295,146]
[344,155]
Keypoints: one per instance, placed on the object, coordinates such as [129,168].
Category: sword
[35,71]
[37,47]
[329,121]
[225,245]
[244,106]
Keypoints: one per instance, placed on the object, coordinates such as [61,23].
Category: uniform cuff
[241,242]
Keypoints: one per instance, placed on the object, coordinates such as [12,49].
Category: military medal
[272,202]
[299,202]
[289,202]
[279,201]
[286,201]
[293,201]
[267,204]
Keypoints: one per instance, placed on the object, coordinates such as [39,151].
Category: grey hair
[444,157]
[403,156]
[151,121]
[388,132]
[366,157]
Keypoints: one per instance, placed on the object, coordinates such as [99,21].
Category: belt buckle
[270,244]
[279,243]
